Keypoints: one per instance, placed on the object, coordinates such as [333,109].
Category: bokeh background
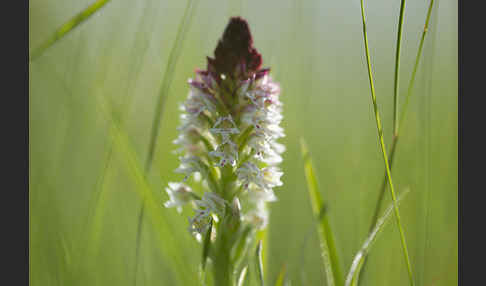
[86,194]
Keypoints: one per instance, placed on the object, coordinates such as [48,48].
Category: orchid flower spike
[230,124]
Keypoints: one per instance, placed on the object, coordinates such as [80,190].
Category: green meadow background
[86,175]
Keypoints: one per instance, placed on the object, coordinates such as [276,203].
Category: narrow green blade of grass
[68,27]
[242,277]
[359,259]
[170,246]
[159,108]
[397,68]
[281,276]
[402,115]
[206,245]
[262,235]
[417,61]
[383,148]
[259,263]
[168,76]
[329,253]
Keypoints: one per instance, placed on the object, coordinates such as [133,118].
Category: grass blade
[166,81]
[207,245]
[397,68]
[417,61]
[383,148]
[402,114]
[262,235]
[359,259]
[170,245]
[68,27]
[281,276]
[328,248]
[259,263]
[242,277]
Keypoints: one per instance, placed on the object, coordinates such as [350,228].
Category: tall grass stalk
[383,148]
[397,68]
[402,115]
[170,246]
[167,80]
[67,27]
[159,108]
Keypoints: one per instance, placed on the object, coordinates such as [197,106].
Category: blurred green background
[85,193]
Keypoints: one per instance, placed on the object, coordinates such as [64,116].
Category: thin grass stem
[397,69]
[417,61]
[67,27]
[383,148]
[166,82]
[403,115]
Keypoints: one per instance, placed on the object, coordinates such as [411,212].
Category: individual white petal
[179,195]
[190,165]
[271,177]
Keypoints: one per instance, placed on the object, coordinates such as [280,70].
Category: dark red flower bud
[235,55]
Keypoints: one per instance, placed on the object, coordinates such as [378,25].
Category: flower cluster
[228,135]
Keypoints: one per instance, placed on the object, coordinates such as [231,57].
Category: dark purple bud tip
[235,55]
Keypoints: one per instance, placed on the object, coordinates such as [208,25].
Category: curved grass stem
[383,148]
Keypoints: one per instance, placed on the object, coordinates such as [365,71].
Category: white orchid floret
[257,195]
[249,173]
[225,126]
[198,102]
[258,216]
[210,204]
[264,93]
[259,144]
[269,86]
[190,165]
[199,223]
[191,121]
[189,141]
[277,147]
[227,152]
[265,122]
[271,177]
[266,178]
[267,151]
[179,195]
[270,158]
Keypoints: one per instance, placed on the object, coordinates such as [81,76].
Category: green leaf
[207,244]
[170,246]
[281,276]
[359,258]
[328,248]
[259,263]
[238,251]
[167,79]
[242,277]
[68,27]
